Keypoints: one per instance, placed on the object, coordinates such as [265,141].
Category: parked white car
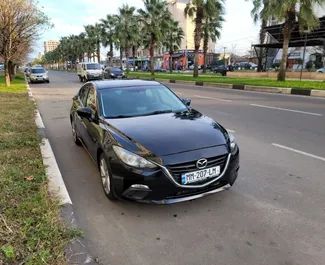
[89,71]
[321,70]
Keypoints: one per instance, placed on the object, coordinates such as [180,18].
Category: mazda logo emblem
[202,163]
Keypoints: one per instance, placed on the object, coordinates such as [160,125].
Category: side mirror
[186,101]
[84,112]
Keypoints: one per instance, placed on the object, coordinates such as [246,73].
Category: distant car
[89,71]
[321,70]
[221,69]
[192,67]
[149,145]
[2,67]
[113,73]
[38,74]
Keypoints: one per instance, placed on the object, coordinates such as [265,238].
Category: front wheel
[106,178]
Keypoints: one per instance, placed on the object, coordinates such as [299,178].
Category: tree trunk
[133,55]
[111,53]
[127,59]
[197,40]
[121,57]
[89,54]
[171,62]
[151,51]
[282,71]
[7,75]
[262,39]
[205,52]
[10,70]
[98,51]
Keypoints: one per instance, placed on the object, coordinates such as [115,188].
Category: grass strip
[319,85]
[31,230]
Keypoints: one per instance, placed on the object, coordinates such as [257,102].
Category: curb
[76,251]
[265,89]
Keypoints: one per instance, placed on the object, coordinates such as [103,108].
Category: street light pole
[303,57]
[224,55]
[186,56]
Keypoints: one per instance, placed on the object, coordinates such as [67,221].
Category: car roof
[37,67]
[100,85]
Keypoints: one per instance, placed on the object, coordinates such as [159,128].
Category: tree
[92,39]
[174,35]
[199,11]
[109,34]
[211,30]
[20,23]
[155,18]
[126,28]
[258,15]
[288,11]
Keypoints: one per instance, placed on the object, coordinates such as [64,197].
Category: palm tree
[109,34]
[200,10]
[93,40]
[126,28]
[289,11]
[211,31]
[174,35]
[257,16]
[155,18]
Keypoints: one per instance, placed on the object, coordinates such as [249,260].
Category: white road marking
[231,131]
[177,93]
[299,152]
[223,100]
[291,110]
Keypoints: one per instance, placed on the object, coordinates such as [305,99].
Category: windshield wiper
[158,112]
[119,116]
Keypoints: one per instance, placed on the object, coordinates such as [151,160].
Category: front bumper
[158,188]
[39,79]
[95,77]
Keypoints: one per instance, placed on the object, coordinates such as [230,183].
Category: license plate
[39,78]
[96,75]
[200,175]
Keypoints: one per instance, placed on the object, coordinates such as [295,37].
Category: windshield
[139,101]
[93,66]
[38,71]
[116,70]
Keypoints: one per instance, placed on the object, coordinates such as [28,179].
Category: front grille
[178,169]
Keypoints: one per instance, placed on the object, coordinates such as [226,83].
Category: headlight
[112,74]
[131,159]
[232,142]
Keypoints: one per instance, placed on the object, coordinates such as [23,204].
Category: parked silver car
[321,70]
[38,74]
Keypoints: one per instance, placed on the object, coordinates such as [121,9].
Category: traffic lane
[304,103]
[129,222]
[297,130]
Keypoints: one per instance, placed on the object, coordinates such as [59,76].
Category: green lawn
[31,231]
[230,80]
[19,84]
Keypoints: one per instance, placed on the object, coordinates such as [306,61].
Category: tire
[48,81]
[105,177]
[75,134]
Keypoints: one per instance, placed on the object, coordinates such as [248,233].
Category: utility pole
[224,55]
[186,56]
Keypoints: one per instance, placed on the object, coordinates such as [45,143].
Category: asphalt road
[274,214]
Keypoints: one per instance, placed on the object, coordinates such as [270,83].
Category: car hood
[169,133]
[94,71]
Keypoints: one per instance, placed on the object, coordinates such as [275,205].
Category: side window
[91,101]
[83,92]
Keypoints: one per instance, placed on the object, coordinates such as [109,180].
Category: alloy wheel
[104,174]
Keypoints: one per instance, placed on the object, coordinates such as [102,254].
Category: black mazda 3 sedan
[149,145]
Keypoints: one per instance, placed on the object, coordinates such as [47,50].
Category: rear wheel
[106,178]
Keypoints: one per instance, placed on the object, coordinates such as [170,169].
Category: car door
[92,130]
[79,103]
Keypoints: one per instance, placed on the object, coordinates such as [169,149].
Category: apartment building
[176,7]
[50,45]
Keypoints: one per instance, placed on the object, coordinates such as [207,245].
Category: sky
[69,17]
